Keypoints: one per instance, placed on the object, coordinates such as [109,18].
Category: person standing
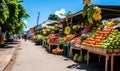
[25,37]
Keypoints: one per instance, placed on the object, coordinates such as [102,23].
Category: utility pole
[37,22]
[38,18]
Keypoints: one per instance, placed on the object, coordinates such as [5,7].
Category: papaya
[75,58]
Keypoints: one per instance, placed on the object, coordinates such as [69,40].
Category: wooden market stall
[108,12]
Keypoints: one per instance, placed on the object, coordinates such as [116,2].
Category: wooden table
[98,51]
[49,46]
[77,48]
[102,52]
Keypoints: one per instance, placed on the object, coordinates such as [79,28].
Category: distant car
[9,38]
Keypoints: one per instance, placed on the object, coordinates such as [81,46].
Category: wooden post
[87,57]
[112,62]
[71,53]
[80,52]
[99,58]
[106,62]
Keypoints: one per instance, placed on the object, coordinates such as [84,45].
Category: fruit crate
[116,50]
[109,51]
[58,53]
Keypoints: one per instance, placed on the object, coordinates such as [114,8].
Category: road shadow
[15,42]
[9,44]
[90,67]
[6,46]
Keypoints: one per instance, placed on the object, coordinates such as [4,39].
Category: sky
[47,7]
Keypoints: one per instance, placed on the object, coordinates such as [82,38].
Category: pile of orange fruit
[57,51]
[97,38]
[69,37]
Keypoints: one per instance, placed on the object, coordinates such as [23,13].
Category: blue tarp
[1,32]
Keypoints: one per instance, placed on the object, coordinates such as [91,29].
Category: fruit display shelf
[49,47]
[100,50]
[108,53]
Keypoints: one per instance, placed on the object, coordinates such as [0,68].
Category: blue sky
[47,7]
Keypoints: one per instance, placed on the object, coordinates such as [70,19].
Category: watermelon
[75,58]
[80,59]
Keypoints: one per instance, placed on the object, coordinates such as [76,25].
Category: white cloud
[61,13]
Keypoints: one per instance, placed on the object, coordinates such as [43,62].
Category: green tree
[12,18]
[4,12]
[69,13]
[54,17]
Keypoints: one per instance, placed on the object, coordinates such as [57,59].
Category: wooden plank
[112,63]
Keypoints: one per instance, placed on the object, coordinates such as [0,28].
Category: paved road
[35,58]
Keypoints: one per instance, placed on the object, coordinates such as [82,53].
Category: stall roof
[51,22]
[108,12]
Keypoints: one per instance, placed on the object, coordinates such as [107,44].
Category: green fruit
[56,25]
[48,30]
[52,32]
[80,59]
[85,58]
[44,32]
[75,58]
[61,40]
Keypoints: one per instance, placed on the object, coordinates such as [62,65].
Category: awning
[108,12]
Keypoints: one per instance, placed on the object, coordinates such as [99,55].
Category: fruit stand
[103,46]
[101,52]
[50,46]
[93,36]
[104,43]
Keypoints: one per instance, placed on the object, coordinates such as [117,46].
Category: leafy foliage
[11,16]
[69,13]
[3,12]
[54,17]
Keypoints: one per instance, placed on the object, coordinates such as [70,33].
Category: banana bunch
[115,22]
[97,14]
[67,30]
[111,23]
[74,27]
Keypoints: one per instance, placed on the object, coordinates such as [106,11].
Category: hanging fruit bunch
[97,14]
[67,30]
[91,13]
